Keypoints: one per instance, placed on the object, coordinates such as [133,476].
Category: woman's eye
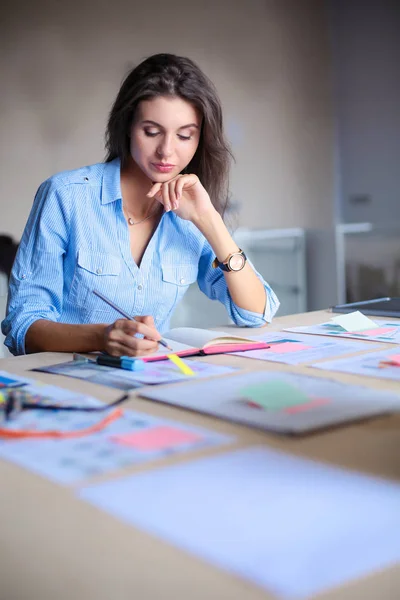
[184,137]
[151,133]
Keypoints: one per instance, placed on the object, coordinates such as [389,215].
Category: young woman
[139,228]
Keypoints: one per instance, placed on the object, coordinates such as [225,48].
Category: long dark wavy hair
[170,75]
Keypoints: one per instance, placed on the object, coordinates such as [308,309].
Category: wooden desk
[55,547]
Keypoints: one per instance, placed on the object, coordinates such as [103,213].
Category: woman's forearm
[245,288]
[48,336]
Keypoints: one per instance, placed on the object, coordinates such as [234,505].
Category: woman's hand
[185,195]
[120,340]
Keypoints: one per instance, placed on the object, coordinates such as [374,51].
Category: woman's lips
[163,167]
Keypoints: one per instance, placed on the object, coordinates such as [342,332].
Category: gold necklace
[132,222]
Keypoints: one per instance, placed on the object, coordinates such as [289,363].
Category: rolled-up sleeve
[36,283]
[212,282]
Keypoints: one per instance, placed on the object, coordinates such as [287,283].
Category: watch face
[236,262]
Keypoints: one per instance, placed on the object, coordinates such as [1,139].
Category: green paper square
[274,395]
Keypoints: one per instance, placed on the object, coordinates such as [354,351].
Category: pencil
[124,314]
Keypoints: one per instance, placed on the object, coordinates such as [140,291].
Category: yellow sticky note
[180,364]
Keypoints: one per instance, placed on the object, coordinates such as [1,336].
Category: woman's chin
[161,177]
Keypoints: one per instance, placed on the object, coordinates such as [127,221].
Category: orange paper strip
[18,434]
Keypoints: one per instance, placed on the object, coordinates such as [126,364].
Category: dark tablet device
[380,307]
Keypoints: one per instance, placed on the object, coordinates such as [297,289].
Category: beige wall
[61,64]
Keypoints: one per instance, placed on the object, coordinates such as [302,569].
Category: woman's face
[164,136]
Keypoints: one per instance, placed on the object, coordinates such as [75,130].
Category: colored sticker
[307,406]
[156,438]
[186,370]
[7,382]
[287,347]
[354,322]
[392,361]
[377,331]
[274,395]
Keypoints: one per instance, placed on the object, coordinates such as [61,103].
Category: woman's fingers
[147,320]
[172,194]
[166,198]
[179,187]
[149,329]
[156,192]
[155,188]
[138,326]
[119,343]
[138,347]
[160,191]
[120,337]
[185,181]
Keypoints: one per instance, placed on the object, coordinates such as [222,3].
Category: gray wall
[366,50]
[61,65]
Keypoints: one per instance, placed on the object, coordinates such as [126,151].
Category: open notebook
[189,341]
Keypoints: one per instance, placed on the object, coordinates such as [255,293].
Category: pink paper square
[394,359]
[374,332]
[156,438]
[287,347]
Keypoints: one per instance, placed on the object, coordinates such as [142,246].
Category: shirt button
[23,276]
[139,287]
[86,178]
[99,271]
[182,280]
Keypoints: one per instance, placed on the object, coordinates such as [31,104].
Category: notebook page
[162,351]
[200,337]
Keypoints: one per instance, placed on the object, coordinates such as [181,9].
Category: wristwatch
[234,262]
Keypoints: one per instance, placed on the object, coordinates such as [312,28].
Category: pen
[124,314]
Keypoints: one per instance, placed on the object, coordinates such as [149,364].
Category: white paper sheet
[193,336]
[291,526]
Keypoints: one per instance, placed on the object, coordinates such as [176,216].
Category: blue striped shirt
[76,240]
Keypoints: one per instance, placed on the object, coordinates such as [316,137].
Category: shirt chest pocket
[175,281]
[94,271]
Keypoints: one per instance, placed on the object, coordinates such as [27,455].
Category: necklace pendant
[130,221]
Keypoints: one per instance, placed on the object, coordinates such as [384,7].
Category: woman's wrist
[216,233]
[208,221]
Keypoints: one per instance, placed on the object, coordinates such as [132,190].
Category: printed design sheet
[384,364]
[295,349]
[385,331]
[278,401]
[153,373]
[132,439]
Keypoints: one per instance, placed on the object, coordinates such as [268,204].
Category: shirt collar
[111,185]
